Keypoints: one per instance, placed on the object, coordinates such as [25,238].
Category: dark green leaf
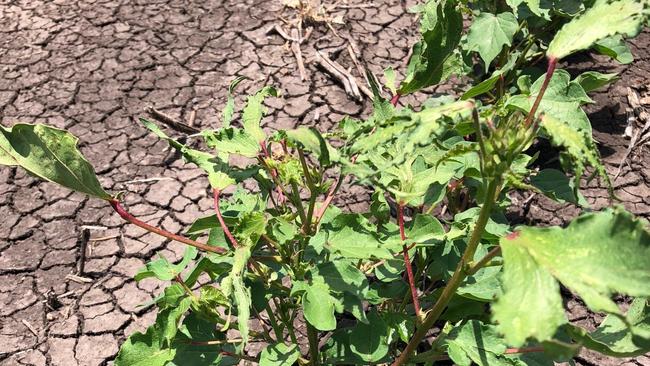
[476,343]
[556,185]
[319,306]
[370,341]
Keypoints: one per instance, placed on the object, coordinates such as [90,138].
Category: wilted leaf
[229,109]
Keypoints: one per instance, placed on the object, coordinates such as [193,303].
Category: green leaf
[485,284]
[168,318]
[561,100]
[389,75]
[352,236]
[232,141]
[319,306]
[196,329]
[535,6]
[165,271]
[229,109]
[619,337]
[476,343]
[531,305]
[233,287]
[556,185]
[254,111]
[341,276]
[604,19]
[597,255]
[279,354]
[489,83]
[311,140]
[579,146]
[209,301]
[489,33]
[592,80]
[144,350]
[212,165]
[441,28]
[51,154]
[370,341]
[616,48]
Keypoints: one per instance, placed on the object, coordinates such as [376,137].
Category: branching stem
[217,193]
[130,218]
[552,62]
[407,260]
[457,278]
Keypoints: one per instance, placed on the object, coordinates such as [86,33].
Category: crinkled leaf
[212,165]
[168,319]
[51,154]
[489,33]
[562,100]
[165,271]
[233,287]
[254,111]
[531,305]
[578,144]
[592,80]
[229,109]
[441,27]
[279,354]
[232,141]
[604,19]
[196,329]
[144,350]
[616,48]
[596,256]
[617,337]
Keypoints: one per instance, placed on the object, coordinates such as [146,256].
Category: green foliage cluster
[366,287]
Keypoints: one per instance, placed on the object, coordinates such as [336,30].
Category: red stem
[328,199]
[130,218]
[225,229]
[407,260]
[552,62]
[395,99]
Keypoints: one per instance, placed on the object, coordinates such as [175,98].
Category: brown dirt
[91,67]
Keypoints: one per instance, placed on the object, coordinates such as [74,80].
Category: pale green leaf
[233,286]
[144,350]
[563,99]
[531,305]
[604,19]
[596,256]
[619,337]
[212,165]
[311,140]
[232,141]
[51,154]
[489,33]
[616,48]
[254,111]
[579,146]
[592,80]
[389,76]
[165,271]
[279,354]
[229,109]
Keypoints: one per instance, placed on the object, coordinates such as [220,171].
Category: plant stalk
[130,218]
[552,63]
[224,227]
[407,260]
[483,262]
[457,278]
[312,335]
[395,99]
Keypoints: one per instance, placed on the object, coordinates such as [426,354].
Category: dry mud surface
[93,66]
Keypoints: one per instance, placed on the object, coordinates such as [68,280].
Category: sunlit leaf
[489,33]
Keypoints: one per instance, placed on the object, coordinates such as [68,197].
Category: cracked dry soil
[93,66]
